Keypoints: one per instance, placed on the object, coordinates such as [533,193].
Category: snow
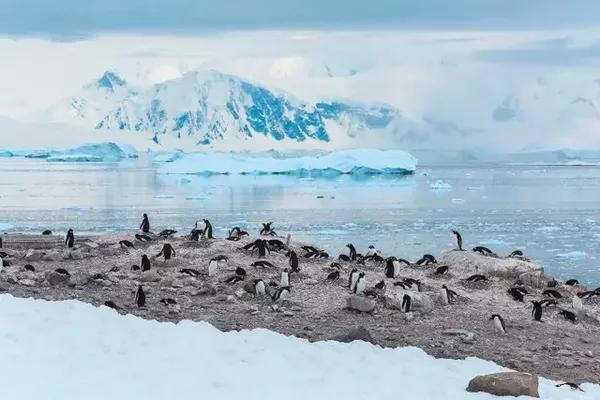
[73,350]
[357,161]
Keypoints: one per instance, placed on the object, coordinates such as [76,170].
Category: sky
[518,74]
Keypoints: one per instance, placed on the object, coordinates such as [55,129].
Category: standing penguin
[212,267]
[293,259]
[361,284]
[457,240]
[145,225]
[390,270]
[498,323]
[406,300]
[352,278]
[259,287]
[577,305]
[352,250]
[140,297]
[536,311]
[70,239]
[167,251]
[447,295]
[208,230]
[145,263]
[285,278]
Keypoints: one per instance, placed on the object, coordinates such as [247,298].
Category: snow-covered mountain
[211,109]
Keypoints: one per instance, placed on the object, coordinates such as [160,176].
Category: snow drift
[357,161]
[71,350]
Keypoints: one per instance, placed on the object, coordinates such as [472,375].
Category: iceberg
[440,186]
[6,227]
[6,154]
[96,152]
[353,162]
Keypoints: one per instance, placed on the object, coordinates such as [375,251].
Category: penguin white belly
[284,295]
[360,286]
[285,281]
[260,288]
[396,265]
[353,282]
[498,326]
[577,305]
[212,268]
[444,296]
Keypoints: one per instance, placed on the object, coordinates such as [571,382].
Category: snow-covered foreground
[354,161]
[71,350]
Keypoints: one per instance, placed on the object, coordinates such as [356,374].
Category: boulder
[359,333]
[34,255]
[465,263]
[466,336]
[52,256]
[420,301]
[359,303]
[54,278]
[207,290]
[27,282]
[150,276]
[506,384]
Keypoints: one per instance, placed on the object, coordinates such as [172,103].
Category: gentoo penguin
[335,265]
[111,304]
[62,271]
[276,245]
[457,240]
[70,239]
[406,300]
[334,275]
[190,271]
[498,323]
[240,271]
[352,250]
[143,238]
[552,283]
[140,297]
[344,257]
[476,278]
[372,251]
[572,385]
[389,271]
[262,264]
[47,232]
[426,260]
[380,285]
[260,245]
[135,267]
[572,282]
[548,302]
[259,287]
[552,293]
[145,263]
[568,315]
[221,258]
[516,253]
[167,251]
[516,294]
[208,230]
[577,305]
[29,267]
[285,278]
[352,278]
[441,270]
[536,311]
[267,230]
[126,243]
[167,301]
[447,295]
[145,225]
[360,284]
[293,260]
[166,233]
[212,267]
[483,251]
[281,294]
[234,279]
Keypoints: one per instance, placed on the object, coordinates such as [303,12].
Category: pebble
[287,313]
[563,352]
[589,354]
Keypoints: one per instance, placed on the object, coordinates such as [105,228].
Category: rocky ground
[317,309]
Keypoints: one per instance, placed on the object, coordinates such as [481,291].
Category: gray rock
[249,287]
[589,354]
[27,282]
[150,276]
[466,336]
[506,384]
[359,303]
[420,301]
[359,333]
[53,256]
[207,290]
[54,278]
[34,255]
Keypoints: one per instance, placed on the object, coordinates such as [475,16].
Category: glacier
[355,162]
[96,152]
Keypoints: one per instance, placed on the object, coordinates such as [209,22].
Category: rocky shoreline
[99,270]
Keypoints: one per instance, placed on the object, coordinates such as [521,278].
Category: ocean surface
[551,213]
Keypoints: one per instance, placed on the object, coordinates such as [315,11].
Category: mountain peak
[109,80]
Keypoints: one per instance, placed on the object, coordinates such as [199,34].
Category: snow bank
[357,161]
[97,152]
[71,350]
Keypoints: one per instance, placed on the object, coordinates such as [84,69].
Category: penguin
[521,289]
[406,300]
[344,257]
[234,279]
[126,243]
[586,294]
[276,245]
[145,225]
[516,253]
[167,301]
[498,323]
[293,261]
[166,233]
[285,278]
[111,304]
[572,282]
[47,232]
[572,385]
[240,271]
[143,238]
[548,302]
[536,311]
[0,242]
[208,230]
[145,263]
[352,250]
[259,287]
[426,260]
[70,239]
[335,265]
[29,267]
[267,230]
[457,240]
[281,294]
[447,295]
[62,271]
[352,278]
[552,293]
[441,270]
[568,315]
[195,235]
[140,297]
[333,276]
[483,251]
[167,251]
[262,264]
[577,305]
[370,293]
[389,270]
[135,267]
[380,285]
[360,284]
[190,271]
[310,249]
[212,267]
[371,252]
[476,278]
[552,283]
[221,258]
[516,294]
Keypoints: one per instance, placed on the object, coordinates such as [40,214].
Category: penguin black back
[140,297]
[145,263]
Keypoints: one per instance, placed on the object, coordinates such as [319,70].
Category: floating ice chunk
[164,196]
[6,154]
[573,255]
[458,201]
[331,232]
[168,157]
[75,158]
[440,185]
[474,188]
